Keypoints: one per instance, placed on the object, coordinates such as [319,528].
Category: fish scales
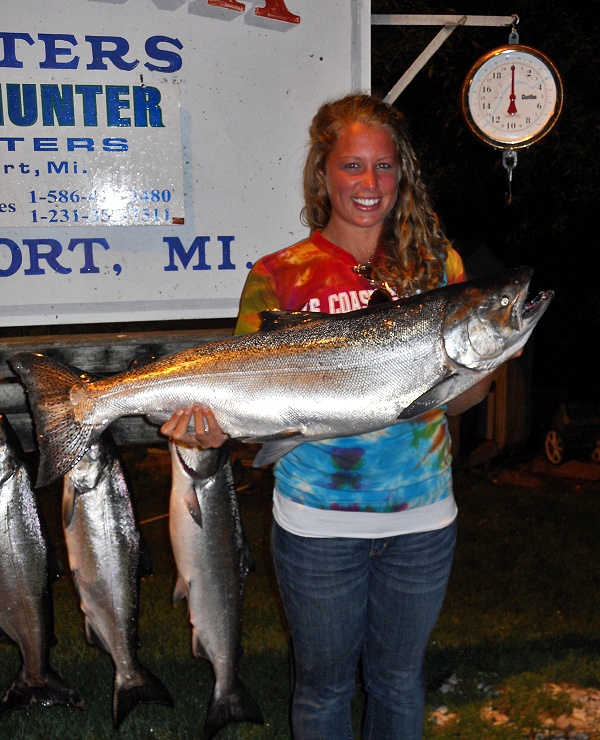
[243,363]
[313,376]
[25,583]
[24,571]
[103,545]
[212,559]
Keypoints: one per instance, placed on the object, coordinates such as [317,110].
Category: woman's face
[361,175]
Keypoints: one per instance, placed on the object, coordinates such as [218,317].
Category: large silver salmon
[103,544]
[331,376]
[25,597]
[212,559]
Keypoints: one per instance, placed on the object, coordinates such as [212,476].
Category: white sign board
[151,150]
[68,178]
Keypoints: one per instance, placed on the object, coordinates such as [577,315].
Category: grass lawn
[522,610]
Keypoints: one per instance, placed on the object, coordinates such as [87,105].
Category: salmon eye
[504,301]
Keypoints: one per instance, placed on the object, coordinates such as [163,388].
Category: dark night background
[551,224]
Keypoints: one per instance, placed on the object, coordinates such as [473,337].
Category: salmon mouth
[533,308]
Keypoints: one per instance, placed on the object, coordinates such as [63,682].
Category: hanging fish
[213,560]
[26,616]
[103,544]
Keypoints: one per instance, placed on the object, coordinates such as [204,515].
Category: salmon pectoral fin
[193,505]
[272,450]
[432,399]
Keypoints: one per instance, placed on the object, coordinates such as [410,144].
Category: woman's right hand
[207,433]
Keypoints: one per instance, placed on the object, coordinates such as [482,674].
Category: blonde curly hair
[412,241]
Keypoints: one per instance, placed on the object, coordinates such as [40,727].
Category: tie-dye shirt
[393,470]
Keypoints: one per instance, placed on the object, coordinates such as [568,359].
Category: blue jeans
[350,599]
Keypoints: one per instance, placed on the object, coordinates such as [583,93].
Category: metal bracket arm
[449,22]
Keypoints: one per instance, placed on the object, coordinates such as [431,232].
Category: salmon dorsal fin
[271,320]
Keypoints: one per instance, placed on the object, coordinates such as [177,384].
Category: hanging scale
[511,97]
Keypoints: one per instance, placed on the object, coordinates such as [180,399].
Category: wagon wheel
[554,447]
[595,456]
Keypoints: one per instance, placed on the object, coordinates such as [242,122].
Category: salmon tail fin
[62,440]
[236,705]
[50,691]
[150,690]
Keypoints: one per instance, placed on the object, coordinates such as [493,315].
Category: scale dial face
[512,97]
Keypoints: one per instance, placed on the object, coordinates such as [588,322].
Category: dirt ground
[583,723]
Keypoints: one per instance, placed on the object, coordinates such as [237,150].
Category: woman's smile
[367,202]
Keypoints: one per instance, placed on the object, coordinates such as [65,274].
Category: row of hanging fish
[106,559]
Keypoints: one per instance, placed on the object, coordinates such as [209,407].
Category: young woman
[364,527]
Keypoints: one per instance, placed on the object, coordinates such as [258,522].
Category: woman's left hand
[474,395]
